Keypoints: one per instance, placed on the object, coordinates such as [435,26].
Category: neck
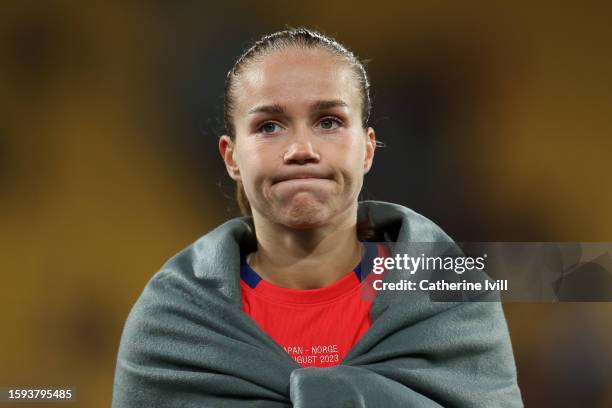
[306,258]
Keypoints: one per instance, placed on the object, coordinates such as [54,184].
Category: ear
[227,151]
[369,151]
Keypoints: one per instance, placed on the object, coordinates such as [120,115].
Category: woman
[266,309]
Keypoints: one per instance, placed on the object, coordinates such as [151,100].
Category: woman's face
[300,149]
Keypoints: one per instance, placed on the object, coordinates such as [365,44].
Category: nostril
[301,160]
[303,156]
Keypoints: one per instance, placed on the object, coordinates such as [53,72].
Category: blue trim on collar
[371,252]
[251,278]
[247,274]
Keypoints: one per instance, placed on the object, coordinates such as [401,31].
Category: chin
[306,214]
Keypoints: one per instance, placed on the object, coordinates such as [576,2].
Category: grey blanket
[187,342]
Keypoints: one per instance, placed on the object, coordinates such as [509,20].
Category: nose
[301,150]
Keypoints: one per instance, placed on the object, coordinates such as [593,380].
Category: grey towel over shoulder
[187,342]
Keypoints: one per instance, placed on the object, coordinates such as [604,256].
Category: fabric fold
[187,342]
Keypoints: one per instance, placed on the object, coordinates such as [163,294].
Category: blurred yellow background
[496,118]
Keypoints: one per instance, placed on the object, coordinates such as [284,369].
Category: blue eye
[269,127]
[329,123]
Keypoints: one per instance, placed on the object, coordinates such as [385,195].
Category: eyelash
[332,118]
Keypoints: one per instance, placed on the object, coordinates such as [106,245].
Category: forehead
[296,77]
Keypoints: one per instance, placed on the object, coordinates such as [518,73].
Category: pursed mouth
[304,177]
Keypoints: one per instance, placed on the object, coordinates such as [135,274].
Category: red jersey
[317,327]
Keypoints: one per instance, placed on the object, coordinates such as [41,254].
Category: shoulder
[202,276]
[205,269]
[213,251]
[399,223]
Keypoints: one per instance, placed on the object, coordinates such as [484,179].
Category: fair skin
[301,153]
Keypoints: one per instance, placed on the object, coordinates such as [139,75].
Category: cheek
[352,155]
[245,164]
[253,167]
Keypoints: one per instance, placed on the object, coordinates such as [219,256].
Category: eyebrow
[317,106]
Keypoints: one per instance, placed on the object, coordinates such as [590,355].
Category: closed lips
[300,177]
[304,177]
